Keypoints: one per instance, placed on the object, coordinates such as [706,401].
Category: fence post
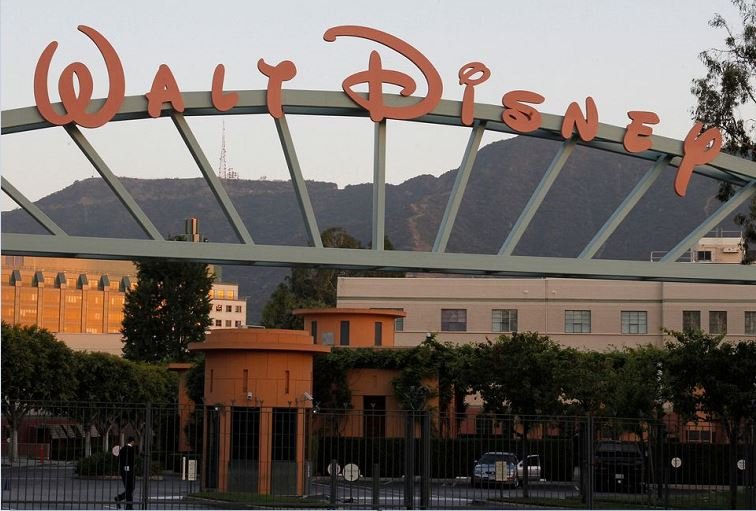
[409,460]
[525,474]
[425,468]
[146,455]
[376,485]
[661,465]
[752,466]
[588,453]
[334,477]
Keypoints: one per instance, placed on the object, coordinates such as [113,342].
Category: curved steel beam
[664,151]
[339,104]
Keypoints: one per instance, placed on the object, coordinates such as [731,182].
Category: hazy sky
[628,55]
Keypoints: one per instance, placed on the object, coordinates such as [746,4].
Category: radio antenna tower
[224,171]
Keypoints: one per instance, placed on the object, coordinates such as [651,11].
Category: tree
[195,381]
[37,369]
[587,379]
[100,381]
[636,387]
[110,388]
[716,378]
[168,309]
[427,371]
[725,98]
[311,288]
[517,374]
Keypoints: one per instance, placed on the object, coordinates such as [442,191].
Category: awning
[56,432]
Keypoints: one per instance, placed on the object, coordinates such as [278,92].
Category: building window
[703,255]
[454,320]
[504,320]
[378,333]
[284,441]
[237,308]
[228,322]
[702,436]
[237,324]
[634,322]
[218,322]
[399,325]
[718,322]
[314,331]
[691,320]
[344,338]
[245,380]
[219,308]
[228,308]
[374,416]
[577,322]
[219,293]
[245,436]
[750,322]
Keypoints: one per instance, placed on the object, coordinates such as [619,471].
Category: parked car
[511,471]
[485,469]
[617,466]
[534,468]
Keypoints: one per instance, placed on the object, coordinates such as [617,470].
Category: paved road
[455,493]
[57,487]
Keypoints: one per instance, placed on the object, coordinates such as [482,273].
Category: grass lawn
[255,499]
[695,500]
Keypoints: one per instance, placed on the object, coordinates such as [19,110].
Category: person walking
[127,470]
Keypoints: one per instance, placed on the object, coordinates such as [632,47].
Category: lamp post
[661,466]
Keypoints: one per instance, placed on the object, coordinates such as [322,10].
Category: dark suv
[617,466]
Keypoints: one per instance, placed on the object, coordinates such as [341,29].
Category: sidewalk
[35,463]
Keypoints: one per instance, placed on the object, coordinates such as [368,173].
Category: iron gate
[220,457]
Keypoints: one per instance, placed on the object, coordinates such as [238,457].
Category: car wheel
[516,483]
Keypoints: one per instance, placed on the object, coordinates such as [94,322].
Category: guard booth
[258,397]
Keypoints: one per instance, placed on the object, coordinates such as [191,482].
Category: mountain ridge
[591,185]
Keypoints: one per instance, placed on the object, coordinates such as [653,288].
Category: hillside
[591,185]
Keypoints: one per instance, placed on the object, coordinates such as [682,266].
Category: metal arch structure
[664,152]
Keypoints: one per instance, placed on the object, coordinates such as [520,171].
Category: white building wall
[227,310]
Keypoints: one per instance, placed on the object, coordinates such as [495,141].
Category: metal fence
[236,457]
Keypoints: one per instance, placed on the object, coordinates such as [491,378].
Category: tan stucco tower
[261,379]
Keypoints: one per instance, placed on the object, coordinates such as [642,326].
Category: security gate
[371,459]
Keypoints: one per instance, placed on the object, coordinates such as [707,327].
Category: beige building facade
[585,314]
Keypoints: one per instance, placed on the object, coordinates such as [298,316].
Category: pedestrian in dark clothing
[126,459]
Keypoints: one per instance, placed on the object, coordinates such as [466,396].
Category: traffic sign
[351,472]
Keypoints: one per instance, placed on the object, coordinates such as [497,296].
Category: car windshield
[617,450]
[490,458]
